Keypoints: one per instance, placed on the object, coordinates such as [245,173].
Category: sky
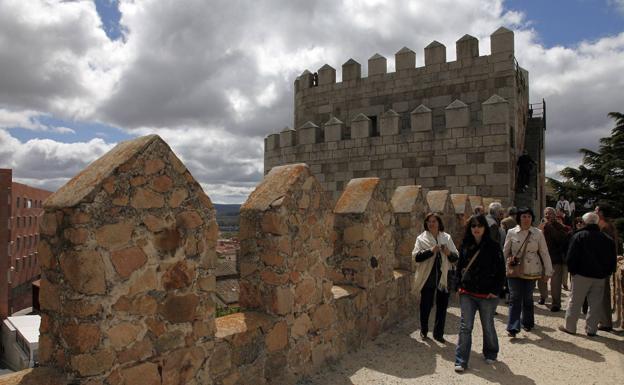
[213,78]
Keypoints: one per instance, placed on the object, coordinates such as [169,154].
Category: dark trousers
[520,304]
[427,296]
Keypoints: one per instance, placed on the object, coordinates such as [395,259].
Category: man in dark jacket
[556,237]
[591,258]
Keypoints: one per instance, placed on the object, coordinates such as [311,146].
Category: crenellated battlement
[466,53]
[128,273]
[457,125]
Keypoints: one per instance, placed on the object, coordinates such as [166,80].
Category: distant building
[20,341]
[20,215]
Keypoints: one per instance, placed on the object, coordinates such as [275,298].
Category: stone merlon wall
[448,125]
[128,254]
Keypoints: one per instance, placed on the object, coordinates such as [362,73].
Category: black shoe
[423,336]
[512,333]
[605,328]
[591,334]
[555,309]
[541,301]
[527,328]
[439,339]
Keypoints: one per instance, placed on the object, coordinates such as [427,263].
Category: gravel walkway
[543,356]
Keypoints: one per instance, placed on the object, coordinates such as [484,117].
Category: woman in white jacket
[434,251]
[527,258]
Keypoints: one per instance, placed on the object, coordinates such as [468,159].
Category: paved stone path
[542,356]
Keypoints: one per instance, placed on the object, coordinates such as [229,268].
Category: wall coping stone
[272,189]
[356,196]
[88,180]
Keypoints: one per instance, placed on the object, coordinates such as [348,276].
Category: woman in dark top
[482,278]
[434,252]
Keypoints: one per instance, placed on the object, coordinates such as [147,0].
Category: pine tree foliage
[601,176]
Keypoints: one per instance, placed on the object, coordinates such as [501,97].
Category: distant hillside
[227,216]
[227,209]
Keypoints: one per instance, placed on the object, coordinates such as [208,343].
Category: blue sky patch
[110,16]
[83,131]
[568,22]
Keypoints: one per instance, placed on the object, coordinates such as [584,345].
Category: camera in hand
[515,261]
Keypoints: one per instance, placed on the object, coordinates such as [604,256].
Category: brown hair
[438,217]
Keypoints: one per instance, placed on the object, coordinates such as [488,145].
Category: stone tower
[457,125]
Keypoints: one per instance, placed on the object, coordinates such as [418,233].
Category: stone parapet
[127,255]
[409,207]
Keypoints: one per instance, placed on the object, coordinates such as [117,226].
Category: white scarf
[426,241]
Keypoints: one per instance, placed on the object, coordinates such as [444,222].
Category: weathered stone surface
[84,271]
[177,197]
[128,260]
[93,364]
[145,373]
[283,301]
[323,317]
[277,338]
[178,276]
[356,196]
[121,335]
[189,220]
[167,240]
[301,326]
[86,182]
[115,235]
[146,199]
[179,308]
[161,183]
[82,338]
[181,366]
[77,236]
[220,360]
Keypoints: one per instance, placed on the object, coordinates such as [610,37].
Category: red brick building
[20,214]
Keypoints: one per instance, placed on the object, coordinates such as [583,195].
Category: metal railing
[537,110]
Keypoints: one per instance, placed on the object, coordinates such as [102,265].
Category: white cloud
[29,120]
[214,77]
[50,162]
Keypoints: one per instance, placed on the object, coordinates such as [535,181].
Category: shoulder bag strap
[524,245]
[472,260]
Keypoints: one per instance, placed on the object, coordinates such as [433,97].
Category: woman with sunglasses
[434,252]
[527,258]
[482,276]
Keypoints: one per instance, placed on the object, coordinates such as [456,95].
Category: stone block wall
[129,247]
[127,253]
[448,125]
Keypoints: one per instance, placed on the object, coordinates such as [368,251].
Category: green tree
[601,176]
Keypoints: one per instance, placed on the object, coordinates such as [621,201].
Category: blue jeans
[520,304]
[469,306]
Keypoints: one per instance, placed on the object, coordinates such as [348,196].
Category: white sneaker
[459,368]
[490,361]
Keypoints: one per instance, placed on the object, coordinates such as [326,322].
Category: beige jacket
[536,247]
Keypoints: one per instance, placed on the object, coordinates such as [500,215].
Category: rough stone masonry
[128,279]
[456,126]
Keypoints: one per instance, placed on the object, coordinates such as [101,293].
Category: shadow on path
[401,353]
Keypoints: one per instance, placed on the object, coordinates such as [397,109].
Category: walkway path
[542,356]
